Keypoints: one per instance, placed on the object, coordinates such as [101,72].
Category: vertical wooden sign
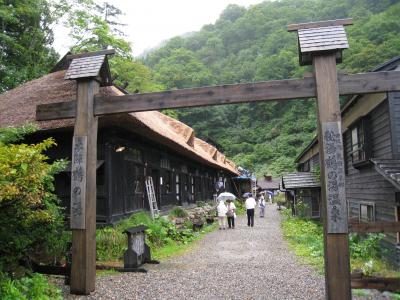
[334,209]
[83,185]
[336,206]
[78,182]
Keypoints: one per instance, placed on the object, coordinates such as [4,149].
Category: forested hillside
[246,45]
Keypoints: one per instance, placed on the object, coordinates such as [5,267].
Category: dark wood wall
[178,180]
[394,107]
[363,184]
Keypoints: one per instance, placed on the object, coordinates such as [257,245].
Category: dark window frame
[306,166]
[360,151]
[368,205]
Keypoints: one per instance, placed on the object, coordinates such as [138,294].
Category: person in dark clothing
[231,213]
[250,206]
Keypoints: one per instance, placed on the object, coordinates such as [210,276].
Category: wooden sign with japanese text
[78,182]
[138,243]
[334,178]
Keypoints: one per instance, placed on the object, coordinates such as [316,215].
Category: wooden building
[371,138]
[267,183]
[303,187]
[131,146]
[268,186]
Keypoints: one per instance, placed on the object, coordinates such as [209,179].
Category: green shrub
[35,287]
[31,221]
[301,209]
[178,212]
[366,246]
[162,232]
[240,208]
[112,242]
[188,224]
[201,203]
[306,238]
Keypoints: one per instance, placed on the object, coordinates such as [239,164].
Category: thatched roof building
[18,107]
[184,169]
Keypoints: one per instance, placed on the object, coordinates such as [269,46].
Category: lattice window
[367,212]
[359,142]
[164,163]
[133,155]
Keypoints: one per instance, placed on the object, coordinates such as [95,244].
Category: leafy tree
[182,69]
[96,27]
[25,40]
[246,45]
[31,221]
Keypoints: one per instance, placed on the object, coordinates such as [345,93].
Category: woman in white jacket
[222,210]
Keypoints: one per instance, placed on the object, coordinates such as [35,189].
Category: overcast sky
[150,22]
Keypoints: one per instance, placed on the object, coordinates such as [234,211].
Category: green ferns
[35,287]
[305,237]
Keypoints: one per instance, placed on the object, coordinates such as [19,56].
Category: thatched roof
[18,107]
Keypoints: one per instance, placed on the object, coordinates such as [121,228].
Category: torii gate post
[86,70]
[321,44]
[83,267]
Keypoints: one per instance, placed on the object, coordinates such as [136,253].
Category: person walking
[231,214]
[261,204]
[222,210]
[250,206]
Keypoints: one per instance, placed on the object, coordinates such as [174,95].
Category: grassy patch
[162,236]
[175,249]
[35,287]
[305,238]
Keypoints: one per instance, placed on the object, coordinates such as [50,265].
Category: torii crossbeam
[320,43]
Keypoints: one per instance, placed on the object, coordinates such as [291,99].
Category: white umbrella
[226,196]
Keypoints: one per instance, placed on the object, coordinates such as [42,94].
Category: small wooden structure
[325,85]
[304,187]
[138,251]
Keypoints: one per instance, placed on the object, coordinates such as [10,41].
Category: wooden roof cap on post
[90,65]
[321,36]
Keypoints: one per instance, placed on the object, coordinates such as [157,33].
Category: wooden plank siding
[394,105]
[365,184]
[116,197]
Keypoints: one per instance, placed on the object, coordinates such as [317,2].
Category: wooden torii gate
[320,44]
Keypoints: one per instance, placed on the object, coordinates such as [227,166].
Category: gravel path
[244,263]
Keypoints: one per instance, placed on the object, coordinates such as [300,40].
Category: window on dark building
[167,182]
[134,155]
[164,163]
[314,207]
[306,166]
[367,212]
[177,187]
[138,180]
[360,148]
